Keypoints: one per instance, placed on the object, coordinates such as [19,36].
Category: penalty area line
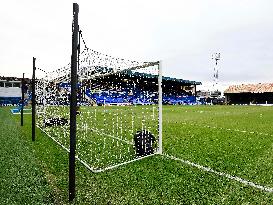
[231,177]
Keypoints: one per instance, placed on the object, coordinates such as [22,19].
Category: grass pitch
[232,139]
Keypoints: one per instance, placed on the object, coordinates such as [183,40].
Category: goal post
[113,106]
[160,117]
[119,117]
[73,102]
[119,113]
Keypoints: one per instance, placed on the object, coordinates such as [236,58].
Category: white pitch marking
[108,135]
[228,129]
[208,169]
[127,162]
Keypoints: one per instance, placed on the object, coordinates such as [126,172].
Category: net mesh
[117,113]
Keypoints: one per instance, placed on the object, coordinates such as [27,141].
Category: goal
[119,109]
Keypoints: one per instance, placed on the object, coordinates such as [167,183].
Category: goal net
[118,103]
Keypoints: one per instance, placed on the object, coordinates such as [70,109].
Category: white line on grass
[99,132]
[208,169]
[85,163]
[124,163]
[228,129]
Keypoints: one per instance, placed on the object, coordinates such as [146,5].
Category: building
[261,93]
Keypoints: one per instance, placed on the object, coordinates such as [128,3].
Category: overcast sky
[184,34]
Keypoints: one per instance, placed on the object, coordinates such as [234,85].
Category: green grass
[188,134]
[201,140]
[22,179]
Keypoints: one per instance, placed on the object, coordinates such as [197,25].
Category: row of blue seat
[118,99]
[138,97]
[9,100]
[174,100]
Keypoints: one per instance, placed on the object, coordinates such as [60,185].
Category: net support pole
[73,102]
[23,99]
[160,149]
[33,100]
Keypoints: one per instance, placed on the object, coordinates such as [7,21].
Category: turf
[202,134]
[235,139]
[22,179]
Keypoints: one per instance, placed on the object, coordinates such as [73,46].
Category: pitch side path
[213,149]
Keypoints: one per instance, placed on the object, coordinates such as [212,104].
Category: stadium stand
[112,91]
[10,96]
[10,90]
[116,91]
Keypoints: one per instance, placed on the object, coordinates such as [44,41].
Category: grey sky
[182,33]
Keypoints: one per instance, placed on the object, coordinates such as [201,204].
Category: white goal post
[119,109]
[160,117]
